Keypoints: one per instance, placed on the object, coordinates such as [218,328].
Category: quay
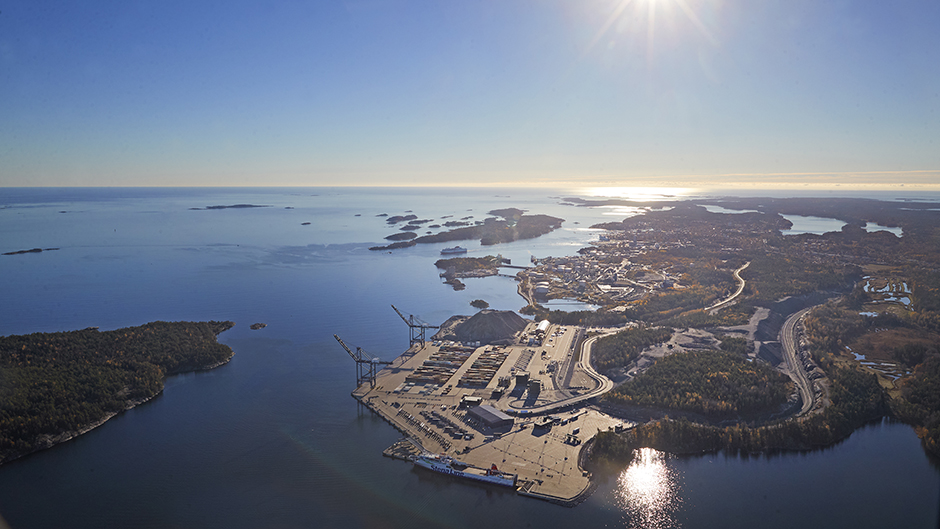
[522,407]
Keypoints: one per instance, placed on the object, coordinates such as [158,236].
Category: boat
[453,251]
[445,464]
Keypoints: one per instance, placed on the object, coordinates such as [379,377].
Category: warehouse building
[490,416]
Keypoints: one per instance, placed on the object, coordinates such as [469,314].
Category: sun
[649,11]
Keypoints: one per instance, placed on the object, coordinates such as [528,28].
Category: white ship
[453,251]
[448,465]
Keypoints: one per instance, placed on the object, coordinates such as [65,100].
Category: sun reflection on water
[647,491]
[641,194]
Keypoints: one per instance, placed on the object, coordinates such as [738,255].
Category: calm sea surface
[273,439]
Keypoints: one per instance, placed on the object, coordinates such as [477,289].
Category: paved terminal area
[428,392]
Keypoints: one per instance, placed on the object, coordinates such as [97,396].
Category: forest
[620,349]
[716,384]
[467,264]
[57,384]
[771,277]
[834,328]
[587,318]
[856,399]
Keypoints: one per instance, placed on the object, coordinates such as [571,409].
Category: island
[507,225]
[479,304]
[32,250]
[232,206]
[56,386]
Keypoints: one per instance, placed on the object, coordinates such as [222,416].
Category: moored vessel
[448,465]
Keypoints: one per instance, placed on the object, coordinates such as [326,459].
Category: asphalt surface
[788,339]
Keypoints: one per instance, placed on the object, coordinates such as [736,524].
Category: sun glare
[648,491]
[640,194]
[650,10]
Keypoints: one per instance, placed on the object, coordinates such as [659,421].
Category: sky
[501,92]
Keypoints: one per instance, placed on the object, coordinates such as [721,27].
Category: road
[789,340]
[604,384]
[741,283]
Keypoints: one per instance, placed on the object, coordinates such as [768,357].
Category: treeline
[670,304]
[587,318]
[624,347]
[829,329]
[925,291]
[919,404]
[51,383]
[738,314]
[856,398]
[717,384]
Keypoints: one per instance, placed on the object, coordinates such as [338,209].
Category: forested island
[55,386]
[508,225]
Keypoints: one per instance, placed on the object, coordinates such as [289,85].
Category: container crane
[365,364]
[416,328]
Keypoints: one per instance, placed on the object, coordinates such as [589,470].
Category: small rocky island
[56,386]
[507,225]
[33,250]
[232,206]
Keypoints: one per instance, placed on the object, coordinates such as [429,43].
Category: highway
[789,341]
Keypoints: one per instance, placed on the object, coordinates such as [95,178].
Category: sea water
[274,439]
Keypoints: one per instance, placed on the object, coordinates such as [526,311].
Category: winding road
[604,384]
[732,297]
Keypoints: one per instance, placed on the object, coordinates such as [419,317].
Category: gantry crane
[365,364]
[416,328]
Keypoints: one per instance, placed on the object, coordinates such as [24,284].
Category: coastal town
[525,401]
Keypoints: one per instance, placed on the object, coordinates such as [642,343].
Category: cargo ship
[448,465]
[456,250]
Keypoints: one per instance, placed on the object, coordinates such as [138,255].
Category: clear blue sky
[654,92]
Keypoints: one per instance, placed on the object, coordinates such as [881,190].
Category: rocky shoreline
[47,440]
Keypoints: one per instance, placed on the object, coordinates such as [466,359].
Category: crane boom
[348,350]
[402,316]
[366,364]
[416,330]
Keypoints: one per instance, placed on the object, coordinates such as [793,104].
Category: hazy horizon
[601,93]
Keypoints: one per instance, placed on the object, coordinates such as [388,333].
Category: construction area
[520,405]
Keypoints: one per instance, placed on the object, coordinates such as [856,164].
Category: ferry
[448,465]
[456,250]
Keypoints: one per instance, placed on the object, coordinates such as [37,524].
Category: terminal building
[490,416]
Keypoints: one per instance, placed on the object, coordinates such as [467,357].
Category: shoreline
[47,441]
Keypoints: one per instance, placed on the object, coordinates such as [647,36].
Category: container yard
[487,405]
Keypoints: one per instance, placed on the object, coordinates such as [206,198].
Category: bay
[273,439]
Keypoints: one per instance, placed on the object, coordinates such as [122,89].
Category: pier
[437,396]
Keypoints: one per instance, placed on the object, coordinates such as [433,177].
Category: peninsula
[56,386]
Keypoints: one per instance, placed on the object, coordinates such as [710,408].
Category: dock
[468,402]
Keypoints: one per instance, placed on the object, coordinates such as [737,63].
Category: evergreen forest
[55,385]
